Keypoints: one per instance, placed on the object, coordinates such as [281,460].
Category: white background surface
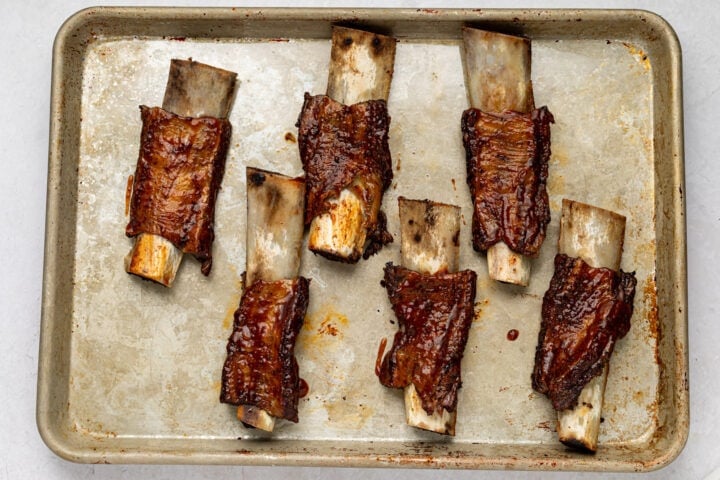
[26,38]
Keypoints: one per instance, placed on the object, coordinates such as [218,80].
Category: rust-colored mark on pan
[479,308]
[327,327]
[216,386]
[544,426]
[559,156]
[232,307]
[639,54]
[650,300]
[326,322]
[556,184]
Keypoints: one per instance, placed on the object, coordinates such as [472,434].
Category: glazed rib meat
[584,312]
[261,369]
[340,144]
[177,178]
[507,166]
[434,313]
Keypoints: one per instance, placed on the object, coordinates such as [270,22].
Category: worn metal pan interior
[129,371]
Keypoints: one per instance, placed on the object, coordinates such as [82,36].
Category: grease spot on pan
[324,322]
[233,305]
[650,301]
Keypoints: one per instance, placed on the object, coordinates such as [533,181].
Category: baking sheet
[130,371]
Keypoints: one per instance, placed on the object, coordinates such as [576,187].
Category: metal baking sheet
[130,371]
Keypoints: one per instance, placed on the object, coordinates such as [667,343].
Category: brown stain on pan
[342,414]
[556,184]
[233,305]
[639,54]
[217,386]
[650,301]
[559,156]
[480,308]
[649,298]
[545,426]
[323,323]
[328,327]
[644,252]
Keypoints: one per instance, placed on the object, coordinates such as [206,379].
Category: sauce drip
[381,352]
[303,388]
[128,193]
[512,335]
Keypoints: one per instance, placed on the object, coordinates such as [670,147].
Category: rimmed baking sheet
[130,371]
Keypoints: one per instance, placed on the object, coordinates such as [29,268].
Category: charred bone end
[256,418]
[361,66]
[429,235]
[275,207]
[579,427]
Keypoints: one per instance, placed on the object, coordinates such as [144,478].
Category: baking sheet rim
[44,399]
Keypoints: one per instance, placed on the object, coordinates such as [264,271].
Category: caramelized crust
[584,312]
[261,369]
[178,174]
[340,144]
[434,313]
[507,166]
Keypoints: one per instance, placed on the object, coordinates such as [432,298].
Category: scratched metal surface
[136,367]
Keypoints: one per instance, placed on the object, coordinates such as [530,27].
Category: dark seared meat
[378,236]
[340,144]
[261,369]
[584,312]
[507,166]
[178,174]
[434,315]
